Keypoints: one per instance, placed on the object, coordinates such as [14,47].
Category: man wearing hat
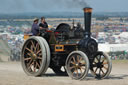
[35,27]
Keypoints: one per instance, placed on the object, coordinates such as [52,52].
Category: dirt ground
[11,73]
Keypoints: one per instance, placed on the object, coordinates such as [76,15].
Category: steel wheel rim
[32,56]
[100,66]
[77,66]
[47,53]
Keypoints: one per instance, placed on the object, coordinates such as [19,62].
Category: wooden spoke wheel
[59,70]
[77,65]
[101,66]
[34,56]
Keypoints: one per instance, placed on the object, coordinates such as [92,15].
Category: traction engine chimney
[87,21]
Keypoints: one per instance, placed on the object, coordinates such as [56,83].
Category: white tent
[124,34]
[112,47]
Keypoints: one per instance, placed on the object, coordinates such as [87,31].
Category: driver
[43,24]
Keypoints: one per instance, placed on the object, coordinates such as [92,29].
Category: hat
[36,19]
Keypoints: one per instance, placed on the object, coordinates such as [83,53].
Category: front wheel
[101,66]
[77,65]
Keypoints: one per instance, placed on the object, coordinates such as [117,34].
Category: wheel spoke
[96,70]
[73,72]
[38,64]
[33,45]
[94,62]
[40,54]
[105,63]
[29,62]
[102,71]
[83,63]
[81,70]
[104,59]
[77,72]
[72,67]
[74,60]
[29,50]
[38,51]
[97,59]
[39,58]
[27,59]
[35,65]
[77,58]
[30,65]
[29,54]
[105,68]
[80,59]
[99,72]
[37,47]
[73,63]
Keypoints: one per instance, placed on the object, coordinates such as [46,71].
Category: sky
[23,6]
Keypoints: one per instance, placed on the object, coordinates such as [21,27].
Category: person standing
[43,24]
[35,27]
[44,28]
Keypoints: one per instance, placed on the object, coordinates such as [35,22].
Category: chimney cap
[87,9]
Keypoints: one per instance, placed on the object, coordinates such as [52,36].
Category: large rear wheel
[77,65]
[34,56]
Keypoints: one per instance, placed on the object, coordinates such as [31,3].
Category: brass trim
[59,50]
[87,10]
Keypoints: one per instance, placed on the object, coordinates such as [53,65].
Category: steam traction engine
[66,51]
